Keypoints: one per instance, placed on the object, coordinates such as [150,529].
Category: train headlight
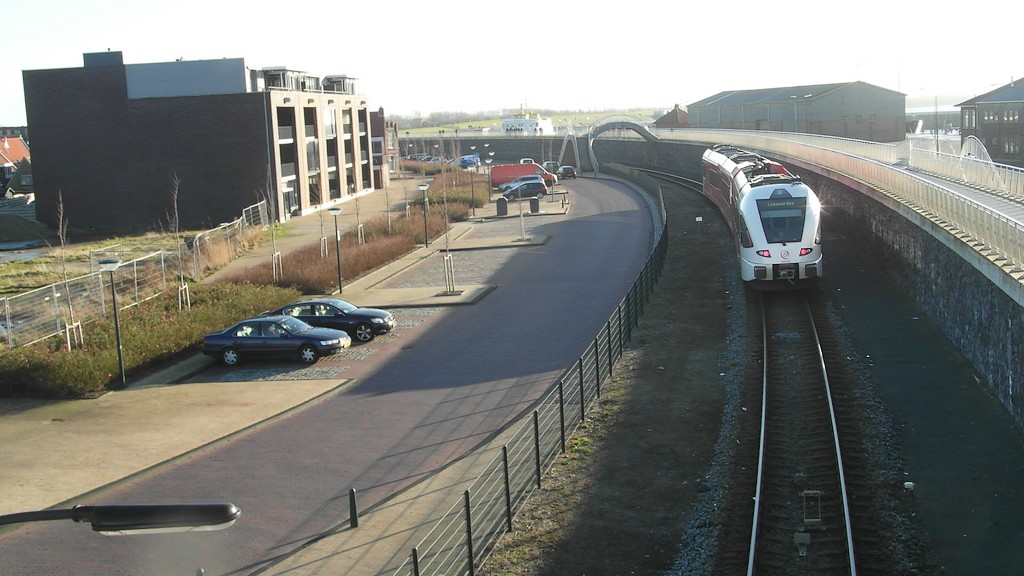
[806,251]
[764,253]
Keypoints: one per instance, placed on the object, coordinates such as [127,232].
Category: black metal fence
[463,538]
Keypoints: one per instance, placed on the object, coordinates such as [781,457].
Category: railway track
[815,515]
[802,521]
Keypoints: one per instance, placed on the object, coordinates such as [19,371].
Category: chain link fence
[62,308]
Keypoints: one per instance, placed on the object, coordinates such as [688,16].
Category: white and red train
[774,216]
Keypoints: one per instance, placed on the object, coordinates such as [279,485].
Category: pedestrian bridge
[974,199]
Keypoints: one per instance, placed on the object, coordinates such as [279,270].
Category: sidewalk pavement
[60,453]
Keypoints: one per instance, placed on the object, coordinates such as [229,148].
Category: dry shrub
[312,272]
[214,253]
[459,187]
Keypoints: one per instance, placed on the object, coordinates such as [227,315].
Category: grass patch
[155,332]
[48,268]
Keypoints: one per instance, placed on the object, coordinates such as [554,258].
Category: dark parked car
[274,336]
[362,324]
[526,190]
[566,172]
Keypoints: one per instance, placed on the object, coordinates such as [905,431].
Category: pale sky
[487,55]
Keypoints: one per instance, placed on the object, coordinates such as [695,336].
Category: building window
[1012,145]
[26,179]
[330,123]
[313,156]
[968,119]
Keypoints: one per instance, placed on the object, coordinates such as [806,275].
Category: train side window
[745,240]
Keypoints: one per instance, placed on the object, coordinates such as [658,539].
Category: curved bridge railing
[998,236]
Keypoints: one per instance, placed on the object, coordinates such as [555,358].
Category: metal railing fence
[44,312]
[49,311]
[464,535]
[977,172]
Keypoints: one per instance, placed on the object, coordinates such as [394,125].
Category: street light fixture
[488,162]
[138,518]
[423,189]
[111,265]
[335,211]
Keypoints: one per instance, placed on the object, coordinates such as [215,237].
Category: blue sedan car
[274,337]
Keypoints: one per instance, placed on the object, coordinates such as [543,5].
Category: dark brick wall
[215,145]
[72,114]
[506,150]
[981,320]
[112,160]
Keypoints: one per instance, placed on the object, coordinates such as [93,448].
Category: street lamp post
[488,162]
[472,184]
[138,518]
[110,265]
[426,239]
[335,211]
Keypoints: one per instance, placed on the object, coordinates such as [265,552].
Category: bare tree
[173,221]
[266,194]
[72,328]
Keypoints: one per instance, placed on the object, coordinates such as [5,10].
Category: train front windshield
[782,219]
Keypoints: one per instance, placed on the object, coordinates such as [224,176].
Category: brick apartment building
[111,138]
[385,148]
[997,120]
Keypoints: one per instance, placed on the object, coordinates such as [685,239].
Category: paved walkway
[50,450]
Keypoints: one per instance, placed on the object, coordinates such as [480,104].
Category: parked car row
[428,158]
[306,330]
[467,161]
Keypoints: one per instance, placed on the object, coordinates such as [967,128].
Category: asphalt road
[452,380]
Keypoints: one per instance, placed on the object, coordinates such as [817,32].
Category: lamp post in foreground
[110,265]
[335,211]
[138,518]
